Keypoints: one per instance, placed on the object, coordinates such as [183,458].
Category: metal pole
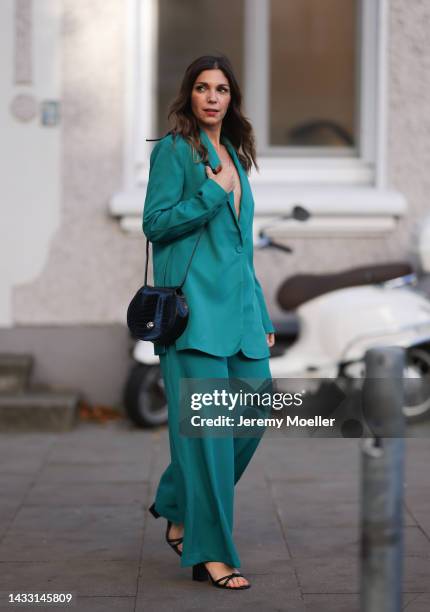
[382,477]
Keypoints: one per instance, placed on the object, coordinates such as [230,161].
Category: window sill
[336,210]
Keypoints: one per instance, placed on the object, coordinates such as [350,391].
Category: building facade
[337,93]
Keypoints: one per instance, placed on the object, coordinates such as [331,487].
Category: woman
[198,189]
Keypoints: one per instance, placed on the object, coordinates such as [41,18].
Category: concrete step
[39,408]
[15,372]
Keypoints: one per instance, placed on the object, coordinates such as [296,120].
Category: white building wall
[88,275]
[30,153]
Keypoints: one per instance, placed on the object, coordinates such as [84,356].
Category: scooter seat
[300,288]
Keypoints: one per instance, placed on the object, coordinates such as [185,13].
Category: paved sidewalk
[73,518]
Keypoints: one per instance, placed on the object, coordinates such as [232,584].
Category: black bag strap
[153,139]
[189,263]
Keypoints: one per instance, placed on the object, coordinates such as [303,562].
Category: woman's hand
[270,339]
[224,178]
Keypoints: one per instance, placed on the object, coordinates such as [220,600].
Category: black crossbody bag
[159,314]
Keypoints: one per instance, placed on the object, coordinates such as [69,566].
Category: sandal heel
[200,572]
[153,511]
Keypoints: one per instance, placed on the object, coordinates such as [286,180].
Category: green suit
[225,336]
[197,487]
[227,306]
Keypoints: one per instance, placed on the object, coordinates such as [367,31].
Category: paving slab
[92,578]
[73,533]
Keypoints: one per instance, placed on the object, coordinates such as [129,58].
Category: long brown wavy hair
[235,125]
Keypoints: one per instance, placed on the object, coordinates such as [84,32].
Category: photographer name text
[288,421]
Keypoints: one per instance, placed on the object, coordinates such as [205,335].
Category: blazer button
[239,248]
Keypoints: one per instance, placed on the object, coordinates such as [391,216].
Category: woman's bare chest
[227,162]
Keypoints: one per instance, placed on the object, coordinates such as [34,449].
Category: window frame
[329,177]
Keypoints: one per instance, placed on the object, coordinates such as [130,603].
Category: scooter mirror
[300,213]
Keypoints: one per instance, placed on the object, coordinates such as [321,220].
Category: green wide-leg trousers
[197,487]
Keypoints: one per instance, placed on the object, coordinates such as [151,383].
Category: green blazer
[227,306]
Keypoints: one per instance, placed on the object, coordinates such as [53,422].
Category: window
[306,69]
[313,77]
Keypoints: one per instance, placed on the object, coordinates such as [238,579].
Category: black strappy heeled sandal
[201,573]
[172,542]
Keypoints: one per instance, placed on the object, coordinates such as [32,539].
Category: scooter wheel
[145,402]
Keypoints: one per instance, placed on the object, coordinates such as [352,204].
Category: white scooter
[337,317]
[341,315]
